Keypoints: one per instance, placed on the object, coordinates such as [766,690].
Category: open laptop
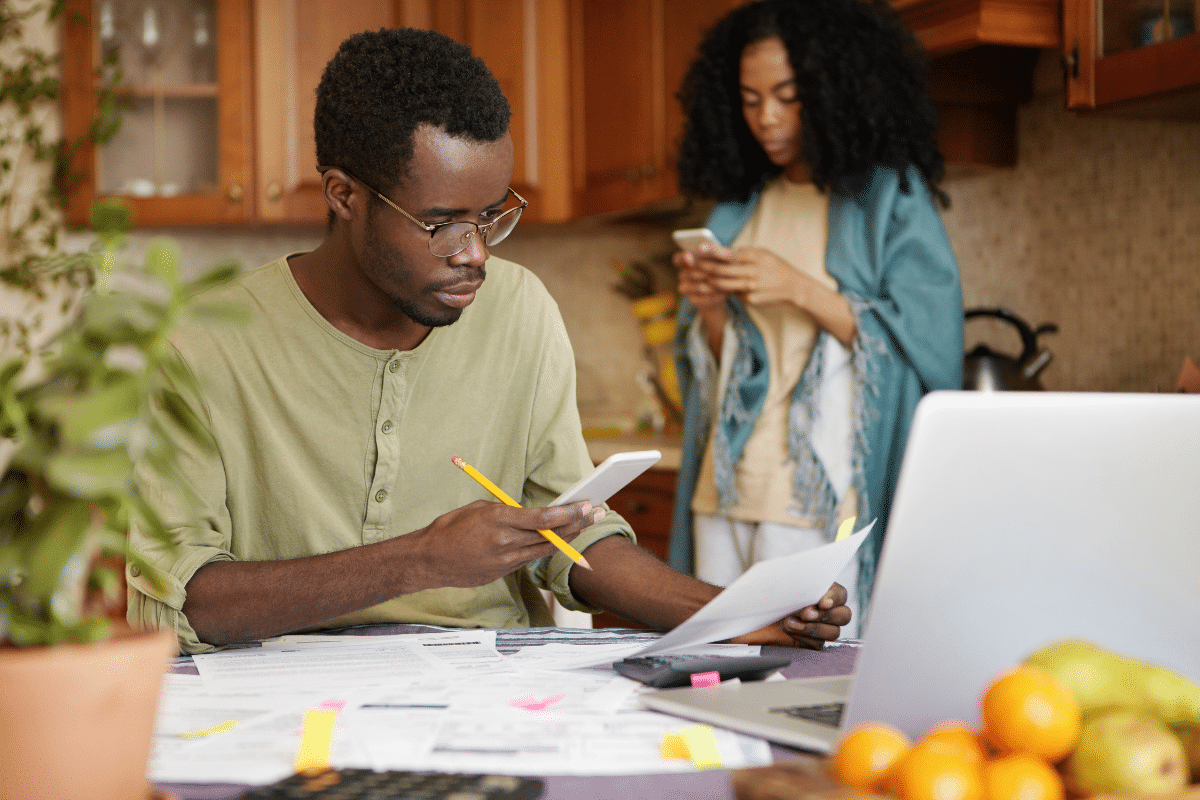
[1019,518]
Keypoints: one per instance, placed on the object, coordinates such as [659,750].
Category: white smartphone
[691,238]
[609,477]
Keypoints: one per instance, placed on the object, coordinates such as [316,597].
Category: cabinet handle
[1072,60]
[235,192]
[274,191]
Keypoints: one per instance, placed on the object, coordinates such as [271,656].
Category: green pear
[1126,751]
[1103,680]
[1190,736]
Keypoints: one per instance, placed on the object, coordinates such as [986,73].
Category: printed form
[459,701]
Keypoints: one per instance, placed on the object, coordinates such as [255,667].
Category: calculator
[666,671]
[365,784]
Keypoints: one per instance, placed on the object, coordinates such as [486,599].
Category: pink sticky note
[530,703]
[706,678]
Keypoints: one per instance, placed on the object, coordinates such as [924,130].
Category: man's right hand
[484,541]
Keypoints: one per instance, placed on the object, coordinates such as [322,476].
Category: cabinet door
[629,58]
[182,154]
[293,40]
[1136,55]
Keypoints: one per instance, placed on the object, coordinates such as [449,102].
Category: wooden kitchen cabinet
[1122,56]
[982,55]
[647,504]
[591,83]
[183,154]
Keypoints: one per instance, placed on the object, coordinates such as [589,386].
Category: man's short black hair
[380,85]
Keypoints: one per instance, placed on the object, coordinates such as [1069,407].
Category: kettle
[986,370]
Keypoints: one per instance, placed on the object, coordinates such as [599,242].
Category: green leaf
[162,261]
[100,419]
[56,534]
[90,474]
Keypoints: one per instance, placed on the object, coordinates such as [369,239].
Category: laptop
[1019,518]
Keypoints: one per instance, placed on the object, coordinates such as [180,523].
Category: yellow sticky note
[702,747]
[846,528]
[673,746]
[316,739]
[224,726]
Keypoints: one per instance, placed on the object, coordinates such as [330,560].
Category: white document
[765,593]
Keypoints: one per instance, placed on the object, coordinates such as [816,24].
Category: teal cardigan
[892,261]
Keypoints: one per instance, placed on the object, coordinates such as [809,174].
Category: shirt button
[381,495]
[387,427]
[135,570]
[392,367]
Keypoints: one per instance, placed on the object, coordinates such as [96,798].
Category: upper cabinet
[1139,57]
[223,91]
[183,152]
[982,55]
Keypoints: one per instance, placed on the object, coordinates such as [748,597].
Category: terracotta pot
[77,720]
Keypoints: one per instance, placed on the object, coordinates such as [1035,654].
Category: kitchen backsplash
[1097,230]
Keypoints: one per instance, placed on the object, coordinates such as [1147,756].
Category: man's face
[451,179]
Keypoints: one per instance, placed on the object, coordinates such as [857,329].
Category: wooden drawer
[647,505]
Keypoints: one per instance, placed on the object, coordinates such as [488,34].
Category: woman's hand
[759,277]
[811,626]
[695,285]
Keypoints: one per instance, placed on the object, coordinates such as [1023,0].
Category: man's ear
[343,196]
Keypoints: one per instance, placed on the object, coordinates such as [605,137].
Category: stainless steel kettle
[987,370]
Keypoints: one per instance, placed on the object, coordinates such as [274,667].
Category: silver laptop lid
[1021,518]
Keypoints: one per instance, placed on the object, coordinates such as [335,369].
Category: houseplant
[83,359]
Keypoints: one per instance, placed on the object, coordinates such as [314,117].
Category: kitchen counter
[601,447]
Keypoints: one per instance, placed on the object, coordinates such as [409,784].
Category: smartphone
[609,478]
[691,238]
[664,672]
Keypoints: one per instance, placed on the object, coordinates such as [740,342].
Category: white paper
[765,593]
[452,702]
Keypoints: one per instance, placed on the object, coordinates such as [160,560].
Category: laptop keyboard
[824,714]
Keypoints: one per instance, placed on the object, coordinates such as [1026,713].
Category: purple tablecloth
[705,785]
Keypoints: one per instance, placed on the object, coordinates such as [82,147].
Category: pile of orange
[1030,722]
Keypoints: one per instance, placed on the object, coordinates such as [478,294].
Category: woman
[804,343]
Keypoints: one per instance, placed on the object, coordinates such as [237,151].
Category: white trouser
[725,548]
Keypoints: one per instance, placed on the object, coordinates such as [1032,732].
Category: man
[330,498]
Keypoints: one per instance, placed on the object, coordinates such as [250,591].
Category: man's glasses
[448,239]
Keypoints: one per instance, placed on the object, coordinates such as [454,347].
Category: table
[715,784]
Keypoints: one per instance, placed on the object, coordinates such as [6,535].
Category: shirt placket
[387,448]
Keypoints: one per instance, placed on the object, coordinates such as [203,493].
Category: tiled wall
[1097,230]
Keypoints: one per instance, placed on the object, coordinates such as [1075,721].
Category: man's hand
[811,626]
[484,541]
[630,582]
[243,601]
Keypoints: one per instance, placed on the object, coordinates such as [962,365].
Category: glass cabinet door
[180,155]
[168,141]
[1129,24]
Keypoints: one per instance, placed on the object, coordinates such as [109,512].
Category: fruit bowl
[807,778]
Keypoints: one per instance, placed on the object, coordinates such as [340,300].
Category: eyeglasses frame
[432,228]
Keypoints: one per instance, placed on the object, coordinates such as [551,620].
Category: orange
[865,756]
[934,771]
[1021,776]
[958,736]
[1028,710]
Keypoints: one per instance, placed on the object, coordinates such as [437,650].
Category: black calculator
[365,784]
[666,671]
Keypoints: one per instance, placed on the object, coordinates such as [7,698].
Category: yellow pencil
[499,494]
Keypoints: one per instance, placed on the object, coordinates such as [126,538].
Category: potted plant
[84,360]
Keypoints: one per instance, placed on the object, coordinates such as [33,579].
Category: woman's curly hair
[863,88]
[380,85]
